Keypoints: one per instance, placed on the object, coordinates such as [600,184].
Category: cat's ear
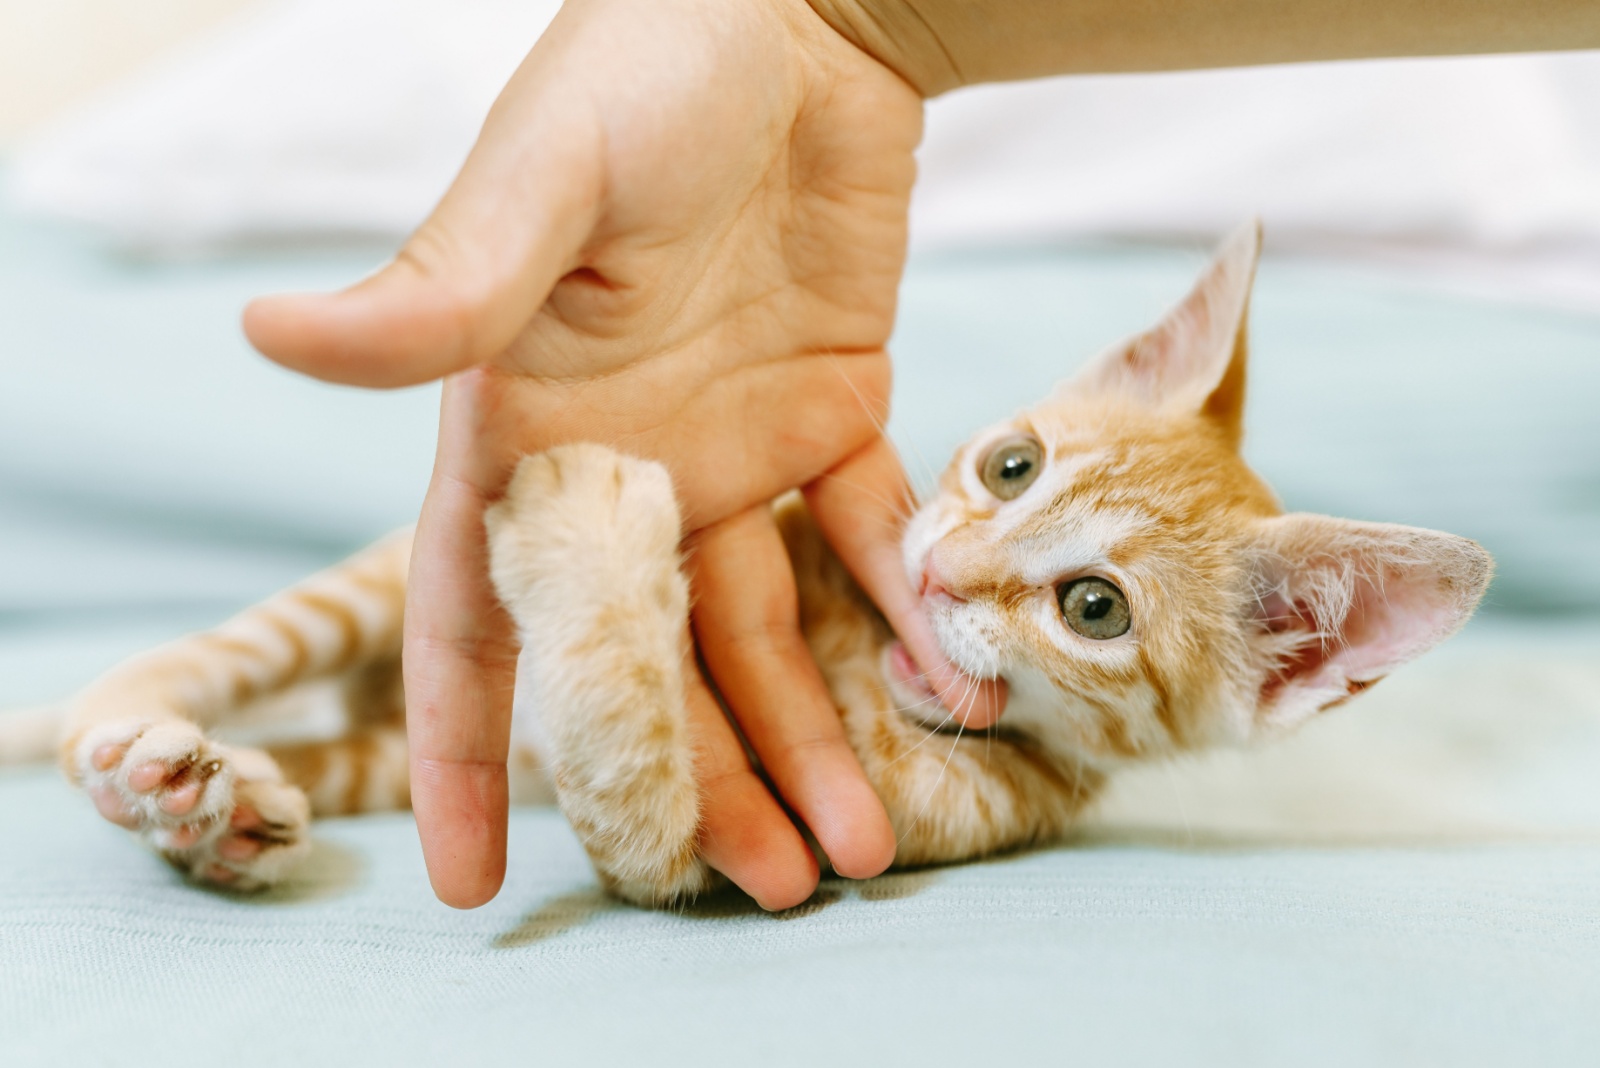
[1340,604]
[1194,359]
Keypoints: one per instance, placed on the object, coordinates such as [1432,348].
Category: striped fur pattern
[1241,622]
[136,739]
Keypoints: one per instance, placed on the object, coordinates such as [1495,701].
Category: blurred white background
[185,127]
[54,53]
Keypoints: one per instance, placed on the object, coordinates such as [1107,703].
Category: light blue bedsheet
[154,475]
[1116,955]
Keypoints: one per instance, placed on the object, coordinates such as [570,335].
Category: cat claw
[221,814]
[266,835]
[155,776]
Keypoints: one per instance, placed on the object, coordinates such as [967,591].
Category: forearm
[938,45]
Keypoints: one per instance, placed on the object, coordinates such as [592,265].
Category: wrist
[896,34]
[939,45]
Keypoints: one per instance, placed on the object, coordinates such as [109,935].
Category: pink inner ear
[1382,630]
[1304,664]
[1193,359]
[1389,625]
[1366,600]
[1184,356]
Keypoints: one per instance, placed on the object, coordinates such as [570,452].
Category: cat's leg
[365,771]
[584,554]
[136,740]
[368,770]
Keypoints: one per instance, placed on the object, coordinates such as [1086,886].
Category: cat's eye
[1011,467]
[1094,608]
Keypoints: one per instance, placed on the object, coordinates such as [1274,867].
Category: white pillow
[1498,151]
[304,119]
[1481,173]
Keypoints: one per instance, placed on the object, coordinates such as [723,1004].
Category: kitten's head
[1109,552]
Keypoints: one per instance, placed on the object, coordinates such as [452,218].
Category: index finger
[460,664]
[861,506]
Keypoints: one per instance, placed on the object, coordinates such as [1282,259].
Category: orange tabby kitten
[1107,551]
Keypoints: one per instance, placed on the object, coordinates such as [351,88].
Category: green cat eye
[1094,608]
[1011,467]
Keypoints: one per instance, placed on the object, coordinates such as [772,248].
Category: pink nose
[933,583]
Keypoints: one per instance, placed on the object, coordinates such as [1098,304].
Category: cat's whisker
[939,779]
[962,707]
[895,525]
[930,732]
[903,506]
[916,706]
[882,426]
[988,745]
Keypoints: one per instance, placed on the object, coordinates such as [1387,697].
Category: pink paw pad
[216,873]
[184,837]
[221,814]
[238,847]
[181,799]
[109,805]
[147,777]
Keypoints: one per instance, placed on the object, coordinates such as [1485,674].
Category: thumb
[861,506]
[471,277]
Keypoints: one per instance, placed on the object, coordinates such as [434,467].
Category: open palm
[681,233]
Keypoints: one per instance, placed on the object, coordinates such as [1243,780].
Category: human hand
[681,232]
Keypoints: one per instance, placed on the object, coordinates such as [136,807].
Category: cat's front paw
[584,554]
[221,814]
[580,519]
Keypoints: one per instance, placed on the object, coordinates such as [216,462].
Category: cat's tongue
[908,674]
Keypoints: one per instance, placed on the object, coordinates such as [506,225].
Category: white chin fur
[968,635]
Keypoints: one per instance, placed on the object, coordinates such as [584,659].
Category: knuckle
[463,296]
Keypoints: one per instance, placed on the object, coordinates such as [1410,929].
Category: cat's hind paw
[268,833]
[154,777]
[221,814]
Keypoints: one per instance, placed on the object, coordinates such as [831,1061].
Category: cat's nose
[934,586]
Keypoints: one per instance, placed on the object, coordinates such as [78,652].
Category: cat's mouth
[913,693]
[906,673]
[921,705]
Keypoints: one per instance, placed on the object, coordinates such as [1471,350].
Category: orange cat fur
[1107,551]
